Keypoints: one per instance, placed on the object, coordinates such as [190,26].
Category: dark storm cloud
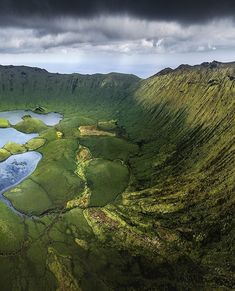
[181,11]
[128,30]
[117,34]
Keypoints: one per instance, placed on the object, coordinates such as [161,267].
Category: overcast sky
[130,36]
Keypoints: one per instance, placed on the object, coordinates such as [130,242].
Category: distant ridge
[185,67]
[41,70]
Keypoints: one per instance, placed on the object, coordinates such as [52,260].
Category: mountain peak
[205,65]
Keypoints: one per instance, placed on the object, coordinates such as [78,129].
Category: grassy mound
[4,123]
[24,197]
[4,154]
[30,125]
[14,148]
[110,148]
[35,144]
[106,180]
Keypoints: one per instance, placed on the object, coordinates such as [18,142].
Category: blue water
[14,170]
[18,167]
[13,135]
[15,116]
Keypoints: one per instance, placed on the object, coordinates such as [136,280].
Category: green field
[106,179]
[150,207]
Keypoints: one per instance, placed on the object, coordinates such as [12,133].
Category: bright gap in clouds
[142,66]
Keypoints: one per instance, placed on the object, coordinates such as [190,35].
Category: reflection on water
[15,169]
[18,167]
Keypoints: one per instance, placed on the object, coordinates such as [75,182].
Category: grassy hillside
[25,86]
[186,130]
[163,180]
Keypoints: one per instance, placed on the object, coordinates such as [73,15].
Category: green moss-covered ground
[30,125]
[4,123]
[106,179]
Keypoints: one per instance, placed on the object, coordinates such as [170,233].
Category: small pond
[18,167]
[15,169]
[15,116]
[13,135]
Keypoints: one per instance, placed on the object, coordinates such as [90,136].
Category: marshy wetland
[101,179]
[50,177]
[15,163]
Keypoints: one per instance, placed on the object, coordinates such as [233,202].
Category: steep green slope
[25,86]
[173,226]
[187,161]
